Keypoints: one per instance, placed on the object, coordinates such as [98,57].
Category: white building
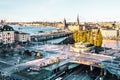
[7,34]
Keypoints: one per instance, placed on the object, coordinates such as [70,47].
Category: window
[8,39]
[8,33]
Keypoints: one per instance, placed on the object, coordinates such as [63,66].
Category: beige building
[22,37]
[7,34]
[73,28]
[110,34]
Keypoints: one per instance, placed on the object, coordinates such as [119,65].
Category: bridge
[64,56]
[49,36]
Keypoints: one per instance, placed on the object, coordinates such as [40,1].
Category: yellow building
[73,28]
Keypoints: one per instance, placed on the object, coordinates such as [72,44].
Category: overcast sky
[56,10]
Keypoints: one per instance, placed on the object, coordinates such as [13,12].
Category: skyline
[57,10]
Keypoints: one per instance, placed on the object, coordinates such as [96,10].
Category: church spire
[64,23]
[78,20]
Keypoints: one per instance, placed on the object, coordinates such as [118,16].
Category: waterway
[33,29]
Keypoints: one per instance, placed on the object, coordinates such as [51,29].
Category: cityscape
[59,40]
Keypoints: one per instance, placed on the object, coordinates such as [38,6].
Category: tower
[78,20]
[3,22]
[64,23]
[78,23]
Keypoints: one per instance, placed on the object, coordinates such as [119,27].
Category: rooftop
[7,28]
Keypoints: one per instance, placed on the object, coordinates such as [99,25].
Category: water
[33,29]
[111,44]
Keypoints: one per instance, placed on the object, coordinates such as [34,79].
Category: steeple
[64,23]
[78,20]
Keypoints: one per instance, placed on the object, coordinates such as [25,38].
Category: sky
[57,10]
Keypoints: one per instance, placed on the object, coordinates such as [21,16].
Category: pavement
[62,54]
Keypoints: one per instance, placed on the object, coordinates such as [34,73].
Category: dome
[7,28]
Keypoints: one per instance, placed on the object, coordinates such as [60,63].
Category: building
[64,24]
[22,37]
[1,35]
[3,22]
[110,34]
[7,34]
[78,23]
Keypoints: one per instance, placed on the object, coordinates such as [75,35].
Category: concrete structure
[7,34]
[81,47]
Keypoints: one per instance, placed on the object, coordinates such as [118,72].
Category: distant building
[110,34]
[64,24]
[78,23]
[7,34]
[3,22]
[73,28]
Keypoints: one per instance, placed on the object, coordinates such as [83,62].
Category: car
[59,78]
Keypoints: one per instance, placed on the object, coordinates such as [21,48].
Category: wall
[109,34]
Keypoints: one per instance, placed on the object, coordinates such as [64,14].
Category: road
[62,53]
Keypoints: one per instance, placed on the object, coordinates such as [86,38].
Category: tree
[99,38]
[92,36]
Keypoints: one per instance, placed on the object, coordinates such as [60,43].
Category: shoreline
[109,40]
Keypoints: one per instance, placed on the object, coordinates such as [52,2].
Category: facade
[7,34]
[64,24]
[0,35]
[22,37]
[110,34]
